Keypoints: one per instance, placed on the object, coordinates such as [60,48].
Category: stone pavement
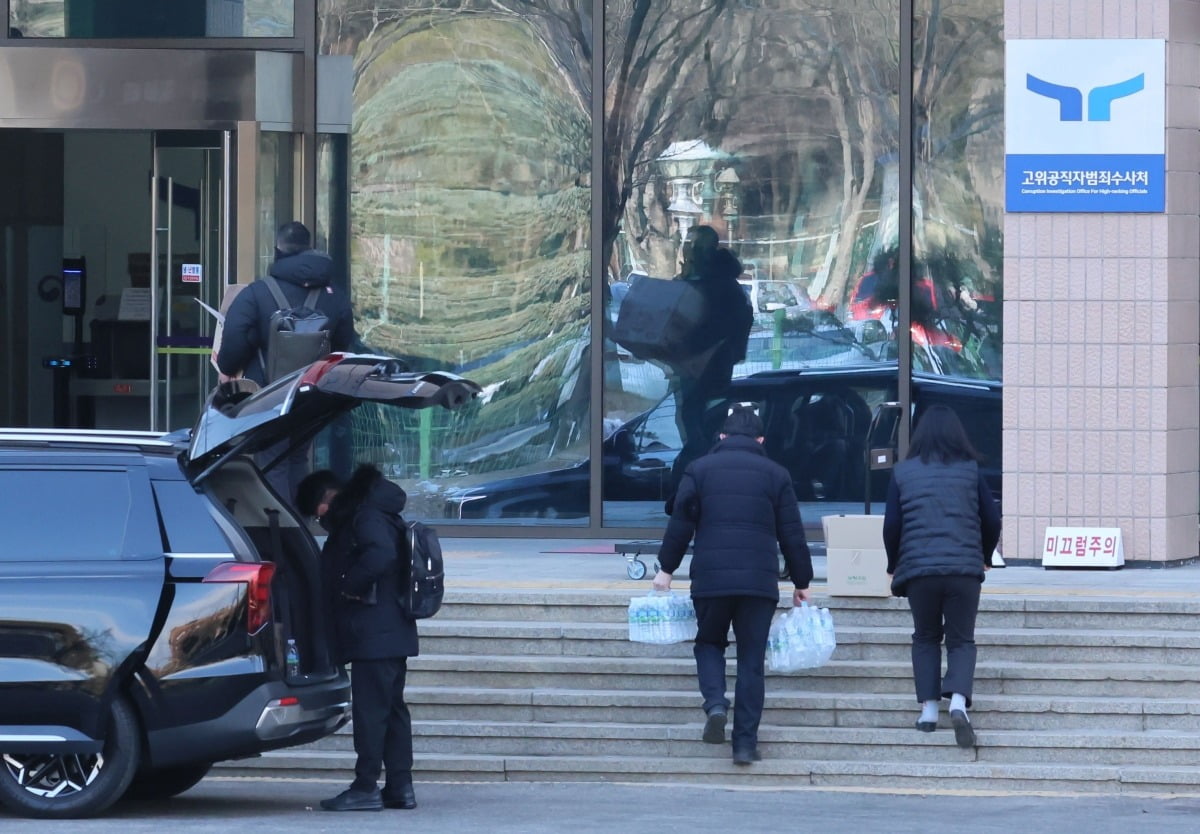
[219,805]
[593,563]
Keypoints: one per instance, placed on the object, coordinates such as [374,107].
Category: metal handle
[153,346]
[170,283]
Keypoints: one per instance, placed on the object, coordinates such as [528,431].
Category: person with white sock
[940,529]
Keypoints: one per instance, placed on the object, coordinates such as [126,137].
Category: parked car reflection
[817,422]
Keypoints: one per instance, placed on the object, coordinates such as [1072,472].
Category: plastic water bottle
[828,635]
[636,620]
[655,619]
[807,636]
[775,658]
[293,658]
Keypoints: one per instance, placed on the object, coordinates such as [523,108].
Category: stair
[1073,693]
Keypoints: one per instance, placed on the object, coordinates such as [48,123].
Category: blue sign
[1085,126]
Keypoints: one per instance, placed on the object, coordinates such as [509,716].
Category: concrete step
[855,642]
[465,737]
[897,774]
[1132,680]
[996,610]
[797,708]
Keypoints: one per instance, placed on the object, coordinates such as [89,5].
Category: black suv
[159,604]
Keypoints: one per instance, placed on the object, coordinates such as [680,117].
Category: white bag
[802,638]
[661,618]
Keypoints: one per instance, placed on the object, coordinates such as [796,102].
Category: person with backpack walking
[283,321]
[940,529]
[742,510]
[364,568]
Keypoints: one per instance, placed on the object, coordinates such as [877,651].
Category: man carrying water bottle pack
[742,510]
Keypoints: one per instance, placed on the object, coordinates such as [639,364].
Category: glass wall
[958,216]
[777,126]
[274,187]
[470,168]
[958,199]
[151,18]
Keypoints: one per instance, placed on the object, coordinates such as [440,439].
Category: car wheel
[166,782]
[74,785]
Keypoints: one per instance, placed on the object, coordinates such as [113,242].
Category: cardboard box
[856,562]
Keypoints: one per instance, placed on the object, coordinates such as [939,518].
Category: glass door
[189,264]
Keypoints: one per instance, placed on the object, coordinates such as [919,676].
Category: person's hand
[986,567]
[800,595]
[662,581]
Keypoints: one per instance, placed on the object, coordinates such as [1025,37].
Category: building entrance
[109,243]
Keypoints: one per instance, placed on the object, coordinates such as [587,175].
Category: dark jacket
[940,520]
[742,510]
[728,315]
[247,322]
[362,558]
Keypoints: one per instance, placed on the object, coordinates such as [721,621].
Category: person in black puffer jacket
[742,510]
[720,339]
[940,529]
[362,574]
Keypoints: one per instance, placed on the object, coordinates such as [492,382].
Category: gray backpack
[296,336]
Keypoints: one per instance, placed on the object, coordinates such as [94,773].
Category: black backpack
[296,336]
[426,584]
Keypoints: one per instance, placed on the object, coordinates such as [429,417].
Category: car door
[240,418]
[81,577]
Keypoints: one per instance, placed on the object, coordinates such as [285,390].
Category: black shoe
[964,733]
[354,800]
[927,726]
[403,798]
[746,756]
[714,727]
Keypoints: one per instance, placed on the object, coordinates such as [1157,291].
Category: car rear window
[64,514]
[185,517]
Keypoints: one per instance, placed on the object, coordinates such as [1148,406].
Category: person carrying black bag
[363,574]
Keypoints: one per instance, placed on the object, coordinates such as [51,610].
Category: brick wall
[1102,323]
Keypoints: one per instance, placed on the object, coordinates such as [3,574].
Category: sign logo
[1100,99]
[1065,150]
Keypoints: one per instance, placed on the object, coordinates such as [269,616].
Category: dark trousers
[692,400]
[751,620]
[943,606]
[382,725]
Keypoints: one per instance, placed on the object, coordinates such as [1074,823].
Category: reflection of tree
[661,80]
[807,99]
[957,119]
[91,651]
[209,638]
[470,161]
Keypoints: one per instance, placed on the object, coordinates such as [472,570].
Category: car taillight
[318,369]
[257,575]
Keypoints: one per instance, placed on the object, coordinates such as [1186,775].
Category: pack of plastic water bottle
[802,638]
[661,618]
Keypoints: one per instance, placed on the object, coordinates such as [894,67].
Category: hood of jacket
[309,268]
[367,488]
